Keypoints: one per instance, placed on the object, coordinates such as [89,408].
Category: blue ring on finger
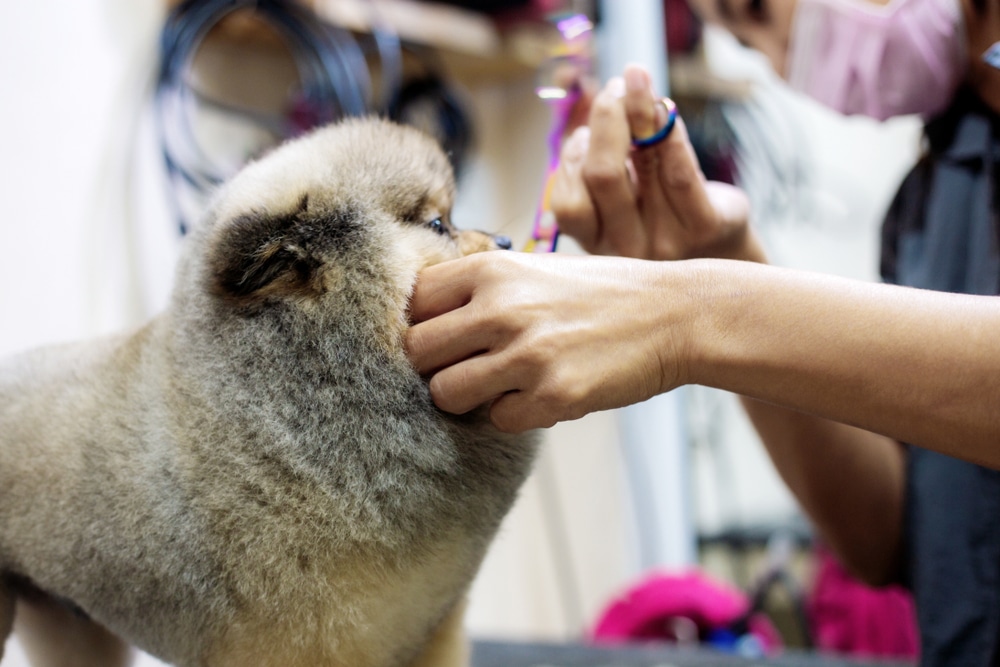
[664,131]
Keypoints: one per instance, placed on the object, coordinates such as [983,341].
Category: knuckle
[572,216]
[629,245]
[646,162]
[479,262]
[517,413]
[472,241]
[500,323]
[678,171]
[532,357]
[604,106]
[557,393]
[602,174]
[665,248]
[640,114]
[680,178]
[487,269]
[564,203]
[503,419]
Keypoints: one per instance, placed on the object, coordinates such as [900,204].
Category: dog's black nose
[503,242]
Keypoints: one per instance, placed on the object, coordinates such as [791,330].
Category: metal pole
[654,434]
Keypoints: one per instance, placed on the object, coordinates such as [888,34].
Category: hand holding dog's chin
[547,338]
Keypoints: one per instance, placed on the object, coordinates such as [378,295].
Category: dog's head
[355,209]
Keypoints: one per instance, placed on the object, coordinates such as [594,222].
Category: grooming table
[506,654]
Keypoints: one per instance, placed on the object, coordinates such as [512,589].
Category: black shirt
[941,233]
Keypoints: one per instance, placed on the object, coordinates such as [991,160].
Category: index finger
[442,288]
[606,175]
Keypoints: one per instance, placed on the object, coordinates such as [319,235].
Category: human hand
[650,203]
[545,338]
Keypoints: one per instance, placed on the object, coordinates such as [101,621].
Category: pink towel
[851,618]
[645,611]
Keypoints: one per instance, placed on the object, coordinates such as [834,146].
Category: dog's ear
[257,255]
[245,266]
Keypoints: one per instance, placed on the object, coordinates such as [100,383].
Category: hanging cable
[333,81]
[426,101]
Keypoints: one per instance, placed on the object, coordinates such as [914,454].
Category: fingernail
[635,80]
[662,111]
[661,115]
[616,86]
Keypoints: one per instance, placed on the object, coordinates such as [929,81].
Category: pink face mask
[880,61]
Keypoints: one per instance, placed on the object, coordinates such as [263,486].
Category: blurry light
[574,26]
[551,93]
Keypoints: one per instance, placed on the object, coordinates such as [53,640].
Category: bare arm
[762,332]
[850,482]
[915,365]
[549,338]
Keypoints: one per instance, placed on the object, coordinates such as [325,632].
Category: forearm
[917,366]
[850,483]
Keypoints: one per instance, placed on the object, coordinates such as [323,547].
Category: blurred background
[119,120]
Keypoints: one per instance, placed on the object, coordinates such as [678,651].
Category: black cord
[332,68]
[334,78]
[427,102]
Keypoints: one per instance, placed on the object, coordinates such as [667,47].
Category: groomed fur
[258,477]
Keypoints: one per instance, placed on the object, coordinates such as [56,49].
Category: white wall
[67,72]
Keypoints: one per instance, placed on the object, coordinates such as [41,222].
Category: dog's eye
[438,226]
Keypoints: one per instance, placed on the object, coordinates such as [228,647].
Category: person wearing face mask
[938,59]
[835,374]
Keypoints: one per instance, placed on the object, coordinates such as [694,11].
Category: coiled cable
[334,81]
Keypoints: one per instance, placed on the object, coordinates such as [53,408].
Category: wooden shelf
[470,43]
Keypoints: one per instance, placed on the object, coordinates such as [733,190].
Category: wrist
[707,317]
[685,318]
[717,320]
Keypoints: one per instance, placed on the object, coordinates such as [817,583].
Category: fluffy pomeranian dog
[258,476]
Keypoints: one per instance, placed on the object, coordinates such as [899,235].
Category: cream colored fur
[258,477]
